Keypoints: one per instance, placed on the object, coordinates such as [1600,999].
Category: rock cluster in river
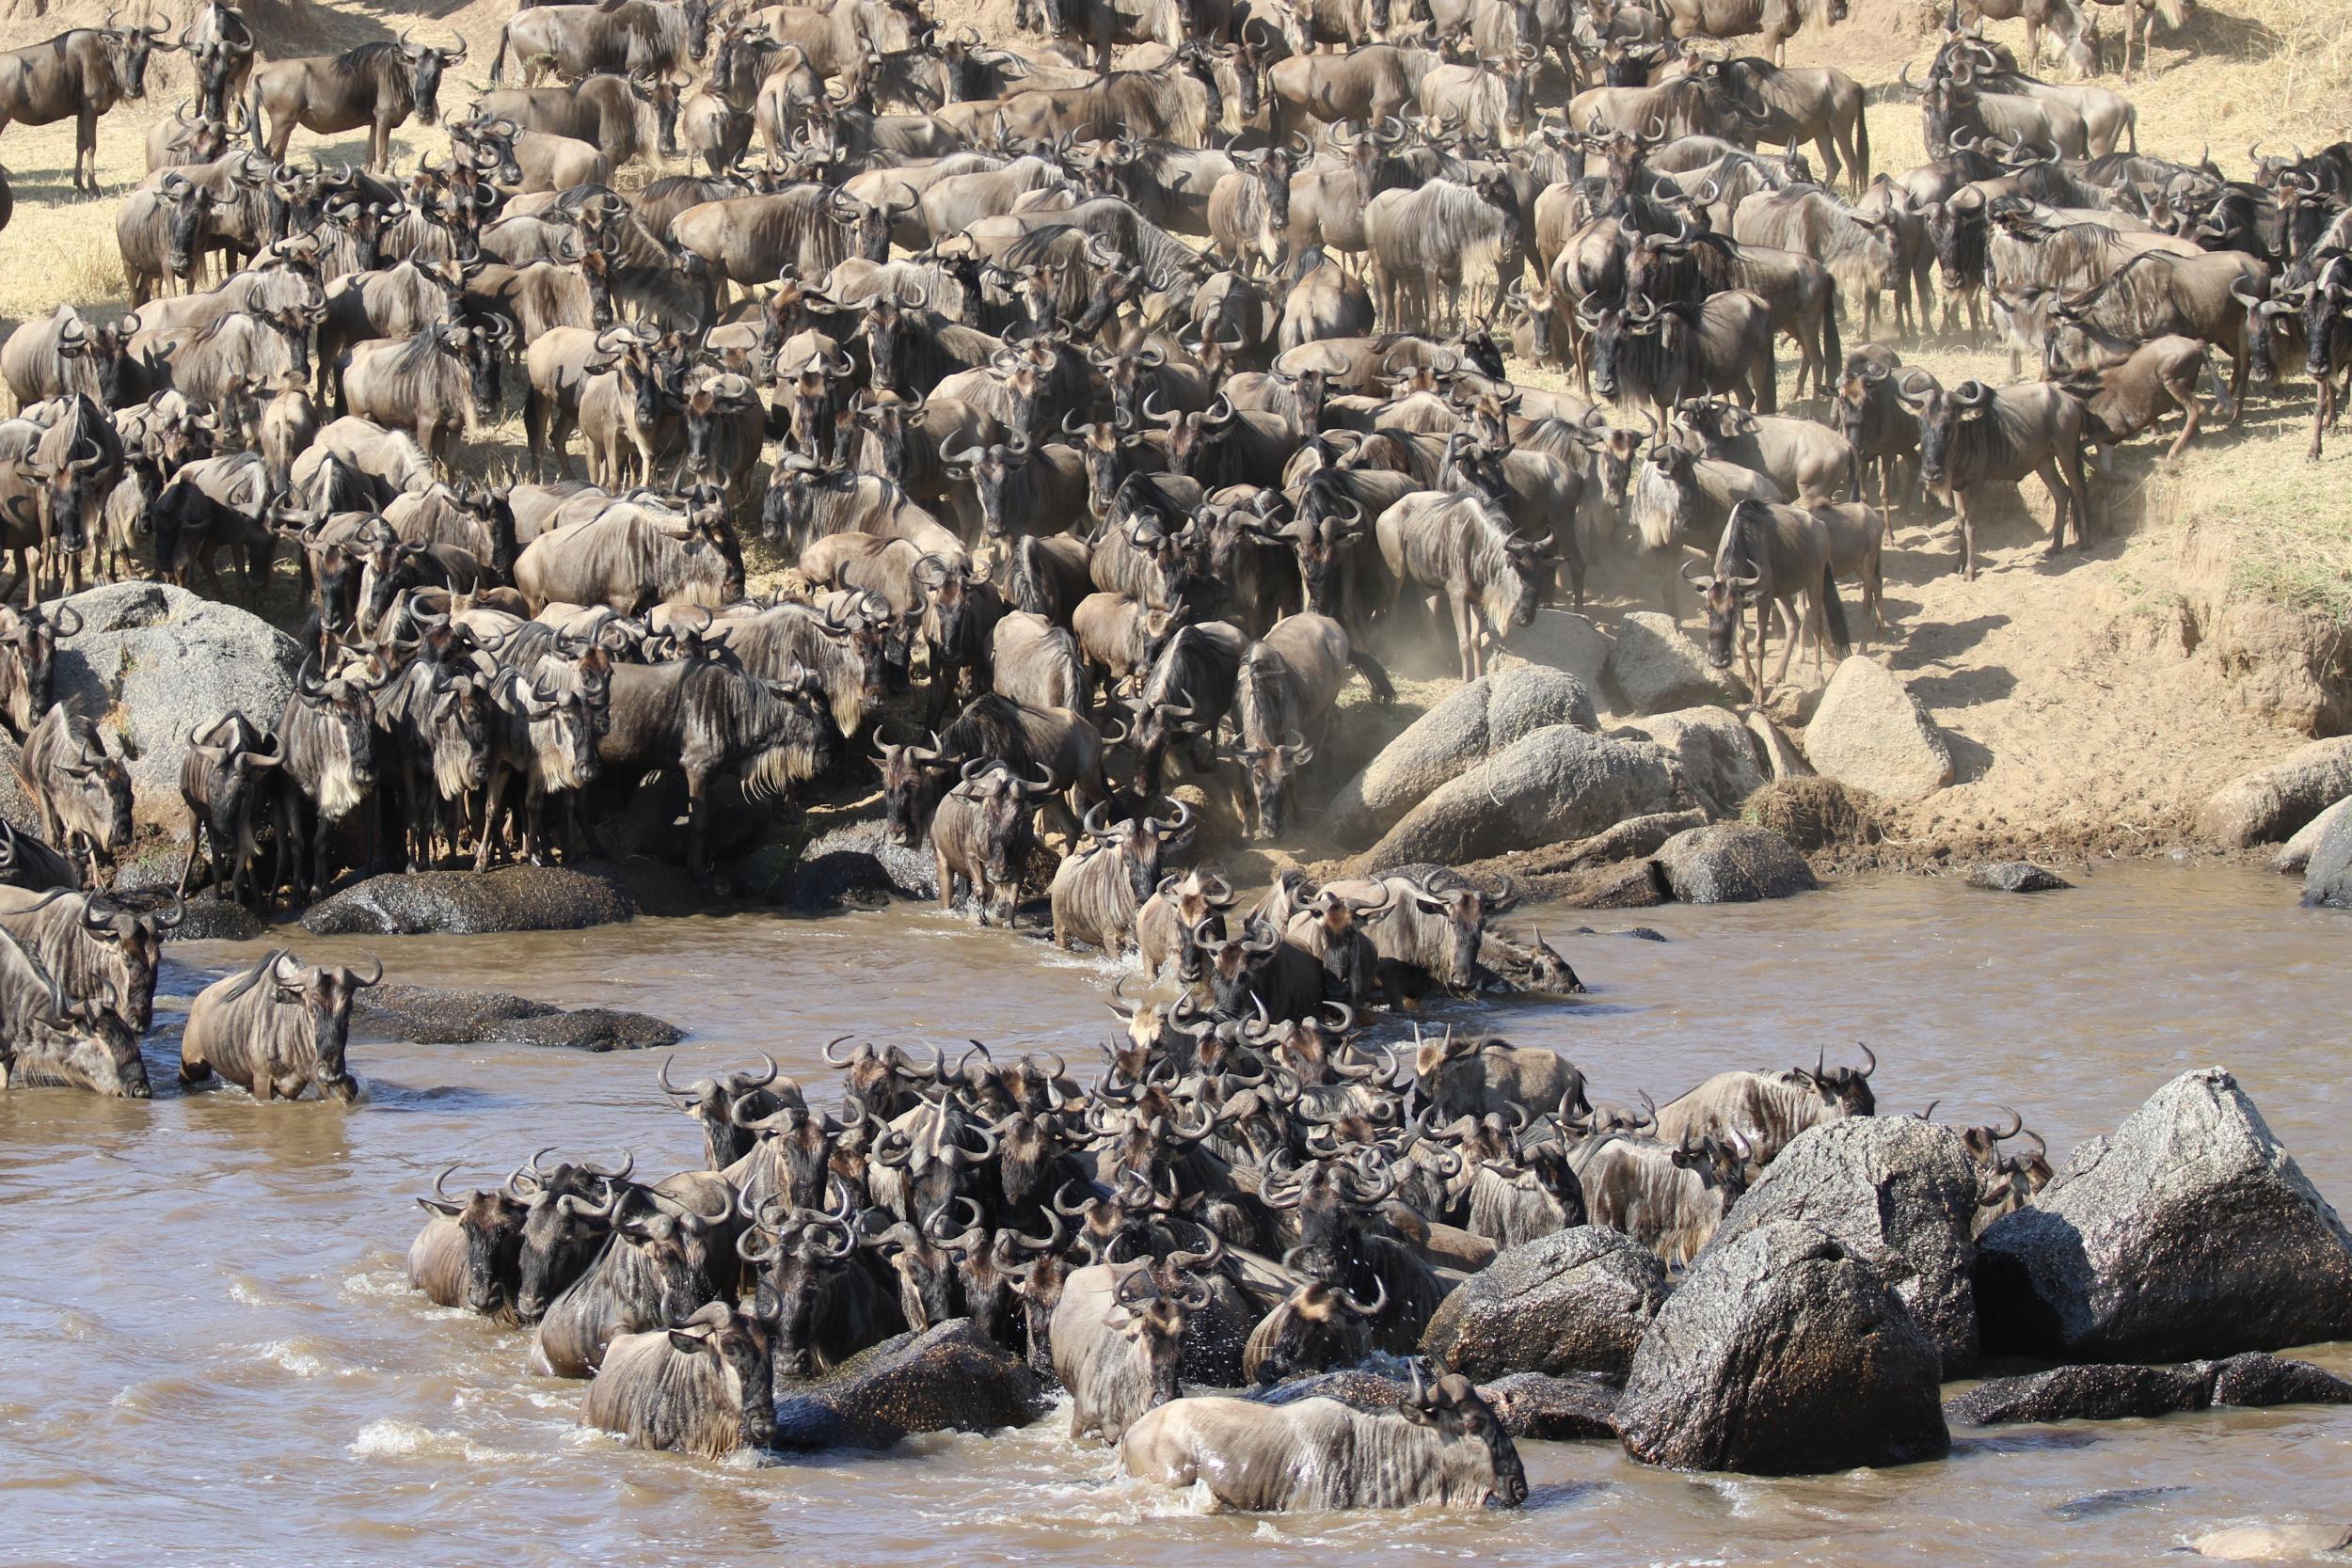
[2109,1392]
[1783,1352]
[1559,783]
[949,1378]
[1470,725]
[2189,1231]
[430,1015]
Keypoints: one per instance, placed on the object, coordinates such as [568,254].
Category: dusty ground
[2088,697]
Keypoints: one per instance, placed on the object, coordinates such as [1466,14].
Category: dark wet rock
[1574,1302]
[2110,1392]
[1899,1193]
[2328,874]
[211,919]
[853,862]
[1560,783]
[2095,1505]
[432,1015]
[2016,877]
[1733,863]
[2188,1232]
[462,903]
[2257,1378]
[1537,1408]
[1642,933]
[2099,1393]
[152,663]
[1782,1354]
[589,1029]
[951,1378]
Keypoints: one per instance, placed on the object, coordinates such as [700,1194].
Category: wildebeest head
[133,946]
[1273,771]
[28,651]
[1941,416]
[1727,596]
[709,409]
[986,468]
[867,223]
[90,789]
[188,221]
[1228,962]
[1457,1412]
[741,1344]
[426,65]
[806,1250]
[132,47]
[1318,1327]
[325,995]
[1155,1324]
[339,710]
[1003,802]
[460,731]
[884,1081]
[787,505]
[1464,910]
[490,1232]
[1139,842]
[914,777]
[571,1211]
[1844,1091]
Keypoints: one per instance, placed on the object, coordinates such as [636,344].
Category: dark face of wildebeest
[490,1229]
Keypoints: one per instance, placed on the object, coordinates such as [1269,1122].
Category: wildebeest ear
[686,1341]
[439,1206]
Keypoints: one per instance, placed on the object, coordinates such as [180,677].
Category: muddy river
[212,1356]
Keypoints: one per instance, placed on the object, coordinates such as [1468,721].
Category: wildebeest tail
[498,61]
[1862,149]
[1374,677]
[2130,126]
[1834,611]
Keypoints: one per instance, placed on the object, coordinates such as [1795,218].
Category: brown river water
[212,1356]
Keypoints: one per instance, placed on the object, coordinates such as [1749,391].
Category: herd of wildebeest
[1096,426]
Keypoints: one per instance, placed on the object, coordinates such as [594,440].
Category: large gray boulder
[1557,784]
[2016,877]
[1658,670]
[1715,750]
[2290,1543]
[951,1378]
[1574,1302]
[2270,803]
[2188,1232]
[2328,874]
[152,662]
[2296,854]
[464,903]
[1782,1354]
[1731,863]
[1899,1193]
[1871,732]
[2111,1392]
[1461,731]
[1564,640]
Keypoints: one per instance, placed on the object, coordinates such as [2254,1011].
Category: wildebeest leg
[322,829]
[86,148]
[2319,417]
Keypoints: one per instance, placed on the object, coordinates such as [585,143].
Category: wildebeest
[327,771]
[706,1387]
[628,38]
[1444,1448]
[1117,1344]
[468,1254]
[223,782]
[1475,1075]
[80,75]
[1439,238]
[277,1028]
[1284,691]
[377,85]
[649,1274]
[1976,433]
[1668,1196]
[1099,887]
[981,835]
[1769,1108]
[1465,548]
[81,790]
[47,1038]
[1768,558]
